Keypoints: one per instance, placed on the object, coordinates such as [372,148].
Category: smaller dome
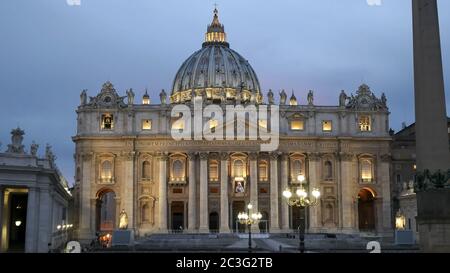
[146,98]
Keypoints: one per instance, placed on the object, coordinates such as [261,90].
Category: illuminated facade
[126,157]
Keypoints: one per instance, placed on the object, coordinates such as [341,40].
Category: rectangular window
[146,124]
[297,125]
[399,179]
[364,123]
[107,122]
[327,126]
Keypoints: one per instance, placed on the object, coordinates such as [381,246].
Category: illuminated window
[364,124]
[146,169]
[263,171]
[214,171]
[213,123]
[238,168]
[297,168]
[107,122]
[146,124]
[327,126]
[178,170]
[366,167]
[262,123]
[178,124]
[297,125]
[106,170]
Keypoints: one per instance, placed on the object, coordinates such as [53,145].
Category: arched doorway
[106,210]
[238,206]
[177,213]
[366,209]
[264,223]
[214,222]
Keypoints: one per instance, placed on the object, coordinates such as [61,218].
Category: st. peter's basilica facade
[127,160]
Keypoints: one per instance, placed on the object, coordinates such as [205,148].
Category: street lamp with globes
[248,219]
[302,200]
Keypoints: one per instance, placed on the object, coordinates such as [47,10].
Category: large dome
[216,72]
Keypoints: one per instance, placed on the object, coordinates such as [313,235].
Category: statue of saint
[384,100]
[342,98]
[123,220]
[83,97]
[310,97]
[33,149]
[270,97]
[130,95]
[163,97]
[283,97]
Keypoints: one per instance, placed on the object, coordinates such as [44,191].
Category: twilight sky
[50,51]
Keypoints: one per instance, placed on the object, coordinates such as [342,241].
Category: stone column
[224,212]
[384,180]
[347,208]
[254,185]
[274,196]
[432,147]
[163,193]
[128,189]
[45,221]
[31,233]
[313,180]
[86,233]
[284,185]
[204,225]
[192,205]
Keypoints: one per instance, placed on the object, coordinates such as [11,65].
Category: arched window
[178,169]
[106,170]
[214,170]
[328,170]
[146,169]
[263,171]
[366,170]
[145,213]
[297,167]
[238,168]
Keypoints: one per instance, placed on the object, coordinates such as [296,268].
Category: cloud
[374,2]
[73,2]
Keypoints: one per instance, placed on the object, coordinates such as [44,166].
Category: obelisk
[432,142]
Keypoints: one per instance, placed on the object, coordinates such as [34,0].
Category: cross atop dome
[216,31]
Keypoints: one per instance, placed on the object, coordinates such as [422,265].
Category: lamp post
[249,219]
[300,199]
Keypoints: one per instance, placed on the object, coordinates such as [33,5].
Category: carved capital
[314,156]
[346,156]
[253,156]
[87,156]
[274,155]
[191,155]
[204,156]
[162,156]
[386,158]
[224,156]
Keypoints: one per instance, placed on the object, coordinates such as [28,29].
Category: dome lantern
[215,33]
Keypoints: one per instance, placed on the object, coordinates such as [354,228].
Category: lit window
[213,123]
[263,171]
[107,122]
[366,170]
[106,171]
[238,168]
[297,168]
[214,171]
[178,170]
[327,126]
[262,123]
[364,124]
[178,125]
[297,125]
[146,124]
